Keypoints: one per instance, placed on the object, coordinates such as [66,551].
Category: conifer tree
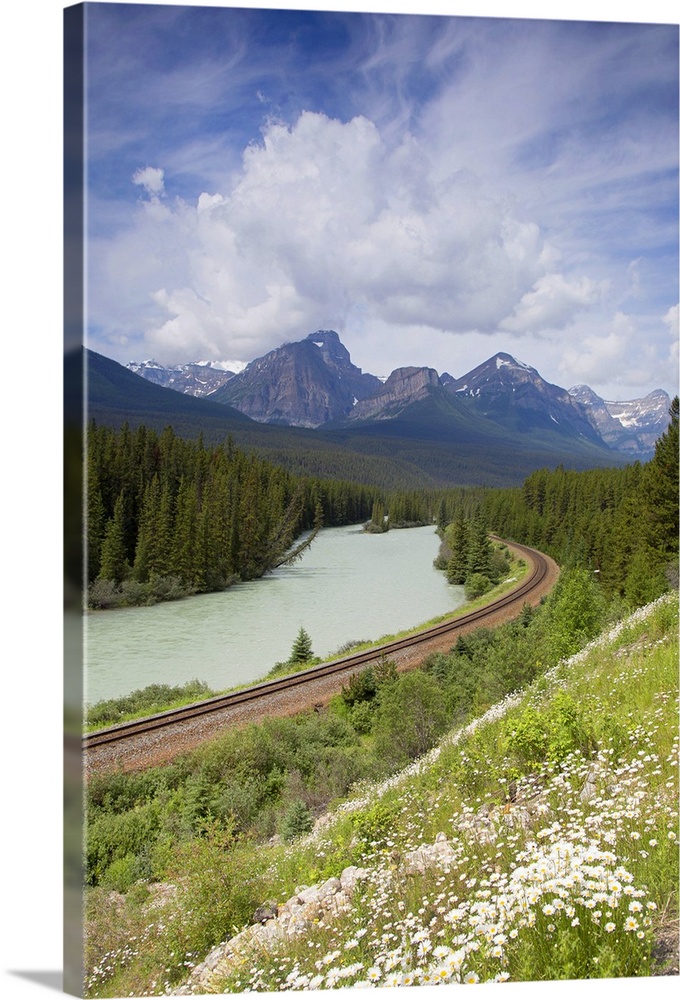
[297,821]
[184,543]
[145,550]
[442,516]
[456,570]
[96,525]
[377,517]
[302,648]
[660,487]
[479,547]
[114,565]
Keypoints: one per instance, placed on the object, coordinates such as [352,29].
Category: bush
[121,873]
[575,612]
[103,594]
[551,734]
[375,824]
[220,888]
[410,717]
[361,717]
[134,593]
[169,588]
[477,585]
[113,837]
[150,699]
[361,687]
[500,563]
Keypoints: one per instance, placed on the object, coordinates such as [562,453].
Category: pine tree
[297,821]
[114,565]
[302,648]
[442,518]
[96,525]
[660,485]
[184,542]
[146,535]
[456,571]
[479,548]
[377,524]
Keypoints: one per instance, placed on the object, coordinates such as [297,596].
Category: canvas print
[371,460]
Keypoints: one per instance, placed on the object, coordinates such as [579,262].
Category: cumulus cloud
[672,322]
[326,222]
[627,354]
[552,303]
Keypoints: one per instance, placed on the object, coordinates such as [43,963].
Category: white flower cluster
[567,872]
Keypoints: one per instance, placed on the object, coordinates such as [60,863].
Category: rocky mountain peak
[330,345]
[515,394]
[403,387]
[630,426]
[198,378]
[306,383]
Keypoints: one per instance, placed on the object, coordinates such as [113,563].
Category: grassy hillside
[537,841]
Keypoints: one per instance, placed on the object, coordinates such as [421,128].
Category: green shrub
[361,717]
[476,585]
[148,700]
[361,687]
[121,873]
[103,594]
[410,717]
[113,836]
[551,734]
[375,824]
[575,612]
[220,887]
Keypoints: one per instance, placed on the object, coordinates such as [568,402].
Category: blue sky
[434,188]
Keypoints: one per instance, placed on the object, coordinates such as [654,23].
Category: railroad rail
[529,590]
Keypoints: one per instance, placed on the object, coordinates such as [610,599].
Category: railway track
[161,736]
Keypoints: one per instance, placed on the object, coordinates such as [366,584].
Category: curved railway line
[158,738]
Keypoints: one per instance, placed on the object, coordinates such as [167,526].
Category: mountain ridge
[312,383]
[433,442]
[629,426]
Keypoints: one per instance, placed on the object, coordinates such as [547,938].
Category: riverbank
[119,710]
[348,586]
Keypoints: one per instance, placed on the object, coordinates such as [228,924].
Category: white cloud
[624,362]
[551,304]
[324,223]
[672,322]
[151,179]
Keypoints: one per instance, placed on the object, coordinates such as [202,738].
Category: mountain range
[313,384]
[199,378]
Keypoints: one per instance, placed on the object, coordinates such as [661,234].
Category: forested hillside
[622,524]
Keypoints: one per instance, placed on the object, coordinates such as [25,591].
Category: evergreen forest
[169,517]
[620,524]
